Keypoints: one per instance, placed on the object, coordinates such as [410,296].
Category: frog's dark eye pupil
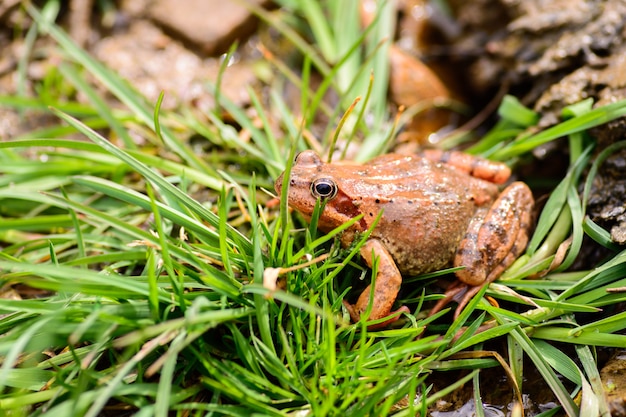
[324,188]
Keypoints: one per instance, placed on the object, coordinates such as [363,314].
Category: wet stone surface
[210,25]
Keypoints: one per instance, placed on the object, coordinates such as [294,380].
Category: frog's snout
[278,184]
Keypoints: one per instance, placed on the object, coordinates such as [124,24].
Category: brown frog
[439,209]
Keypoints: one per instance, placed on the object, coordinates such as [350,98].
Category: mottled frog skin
[439,209]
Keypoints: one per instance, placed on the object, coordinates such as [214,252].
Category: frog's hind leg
[467,249]
[500,238]
[494,239]
[455,292]
[468,292]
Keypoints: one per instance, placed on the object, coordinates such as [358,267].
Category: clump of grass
[153,301]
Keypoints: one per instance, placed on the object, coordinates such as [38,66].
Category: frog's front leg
[386,286]
[494,239]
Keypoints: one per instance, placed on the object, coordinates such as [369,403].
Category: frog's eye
[324,188]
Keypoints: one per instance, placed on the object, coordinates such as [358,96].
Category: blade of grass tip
[333,142]
[511,109]
[386,142]
[372,84]
[162,185]
[591,370]
[599,235]
[589,402]
[156,118]
[53,255]
[577,109]
[311,234]
[591,338]
[494,139]
[359,118]
[459,344]
[546,372]
[103,109]
[226,60]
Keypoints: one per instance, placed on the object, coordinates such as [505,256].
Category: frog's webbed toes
[453,293]
[459,292]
